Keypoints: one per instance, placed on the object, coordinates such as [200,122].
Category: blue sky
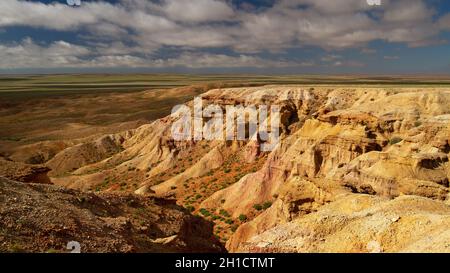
[226,36]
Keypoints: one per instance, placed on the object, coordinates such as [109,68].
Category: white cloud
[197,10]
[51,16]
[28,54]
[330,58]
[126,31]
[220,60]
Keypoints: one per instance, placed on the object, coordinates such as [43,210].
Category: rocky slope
[360,156]
[361,223]
[45,218]
[22,172]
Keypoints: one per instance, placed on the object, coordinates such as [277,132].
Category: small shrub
[258,207]
[395,140]
[242,217]
[267,205]
[205,212]
[224,213]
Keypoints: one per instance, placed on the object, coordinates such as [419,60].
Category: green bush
[205,212]
[242,217]
[267,205]
[395,140]
[257,207]
[224,213]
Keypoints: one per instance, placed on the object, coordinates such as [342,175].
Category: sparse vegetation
[242,217]
[395,140]
[205,212]
[267,205]
[224,213]
[257,207]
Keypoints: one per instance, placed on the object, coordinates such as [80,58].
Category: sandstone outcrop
[362,223]
[350,160]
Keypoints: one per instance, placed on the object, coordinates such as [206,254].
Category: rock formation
[357,169]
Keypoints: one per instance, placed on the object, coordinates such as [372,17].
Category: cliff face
[350,160]
[360,223]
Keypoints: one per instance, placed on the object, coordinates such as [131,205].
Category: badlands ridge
[358,169]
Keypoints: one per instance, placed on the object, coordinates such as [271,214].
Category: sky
[226,36]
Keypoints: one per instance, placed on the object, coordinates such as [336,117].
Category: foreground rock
[362,223]
[44,218]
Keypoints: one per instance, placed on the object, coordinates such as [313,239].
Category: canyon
[359,168]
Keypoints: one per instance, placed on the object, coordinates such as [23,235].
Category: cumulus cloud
[60,54]
[197,10]
[28,54]
[221,60]
[131,32]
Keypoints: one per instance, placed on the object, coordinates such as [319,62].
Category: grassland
[20,87]
[36,108]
